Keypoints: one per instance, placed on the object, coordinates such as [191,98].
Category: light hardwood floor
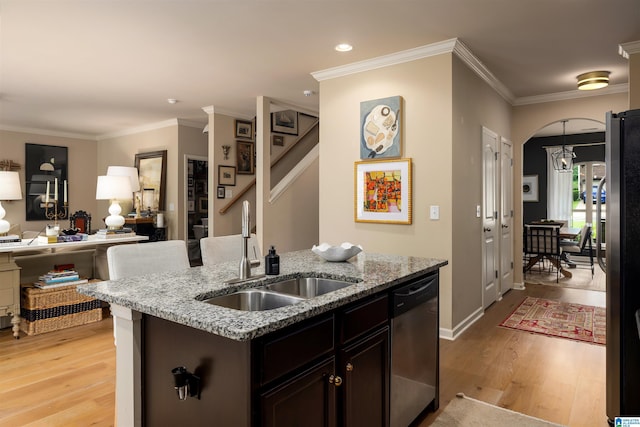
[555,379]
[66,378]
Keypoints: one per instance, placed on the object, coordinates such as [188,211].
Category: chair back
[542,239]
[219,249]
[138,259]
[81,220]
[585,235]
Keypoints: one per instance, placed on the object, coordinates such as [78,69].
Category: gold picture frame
[383,191]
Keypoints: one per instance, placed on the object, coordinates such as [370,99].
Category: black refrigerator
[622,253]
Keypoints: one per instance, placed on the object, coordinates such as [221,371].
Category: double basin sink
[279,294]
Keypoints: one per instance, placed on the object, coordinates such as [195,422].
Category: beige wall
[82,155]
[528,119]
[192,142]
[634,81]
[475,105]
[229,222]
[425,86]
[121,151]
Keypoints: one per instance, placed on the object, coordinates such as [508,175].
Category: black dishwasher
[414,349]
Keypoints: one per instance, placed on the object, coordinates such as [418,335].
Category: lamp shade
[113,187]
[128,171]
[10,186]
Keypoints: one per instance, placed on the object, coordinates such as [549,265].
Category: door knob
[335,380]
[487,229]
[349,367]
[505,226]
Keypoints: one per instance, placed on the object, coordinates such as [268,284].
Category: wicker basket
[46,310]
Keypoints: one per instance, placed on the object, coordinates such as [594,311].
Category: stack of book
[10,239]
[105,233]
[56,278]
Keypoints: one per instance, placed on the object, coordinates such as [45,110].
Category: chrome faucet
[245,263]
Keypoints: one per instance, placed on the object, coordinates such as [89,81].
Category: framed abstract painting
[383,191]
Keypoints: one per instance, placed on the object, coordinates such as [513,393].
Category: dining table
[568,233]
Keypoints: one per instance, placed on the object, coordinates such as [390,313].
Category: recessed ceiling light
[172,100]
[343,47]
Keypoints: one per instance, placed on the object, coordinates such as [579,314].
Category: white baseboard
[452,334]
[519,286]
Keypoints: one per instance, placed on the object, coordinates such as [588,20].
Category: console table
[10,271]
[145,226]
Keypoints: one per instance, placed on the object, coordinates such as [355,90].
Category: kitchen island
[249,362]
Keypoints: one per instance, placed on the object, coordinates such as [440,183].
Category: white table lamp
[130,171]
[114,188]
[9,190]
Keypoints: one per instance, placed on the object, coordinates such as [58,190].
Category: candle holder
[55,214]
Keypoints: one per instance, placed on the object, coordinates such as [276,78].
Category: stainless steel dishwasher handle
[601,261]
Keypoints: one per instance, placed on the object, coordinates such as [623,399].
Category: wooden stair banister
[274,161]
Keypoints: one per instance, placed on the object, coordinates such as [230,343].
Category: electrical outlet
[434,212]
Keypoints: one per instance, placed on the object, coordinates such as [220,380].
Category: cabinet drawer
[7,297]
[290,349]
[364,317]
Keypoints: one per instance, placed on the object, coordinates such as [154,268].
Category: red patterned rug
[559,319]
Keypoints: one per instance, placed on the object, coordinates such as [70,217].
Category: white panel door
[490,234]
[506,216]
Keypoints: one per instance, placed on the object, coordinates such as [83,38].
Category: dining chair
[542,242]
[155,257]
[573,247]
[219,249]
[139,259]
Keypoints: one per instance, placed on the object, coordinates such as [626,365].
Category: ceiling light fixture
[343,47]
[563,158]
[172,100]
[593,80]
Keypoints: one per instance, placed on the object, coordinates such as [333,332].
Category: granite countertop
[178,296]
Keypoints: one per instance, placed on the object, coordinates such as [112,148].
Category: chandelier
[563,158]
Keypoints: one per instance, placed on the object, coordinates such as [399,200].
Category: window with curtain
[559,190]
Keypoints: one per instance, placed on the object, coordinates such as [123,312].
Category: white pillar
[127,324]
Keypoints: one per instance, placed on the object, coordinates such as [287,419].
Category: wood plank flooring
[67,378]
[555,379]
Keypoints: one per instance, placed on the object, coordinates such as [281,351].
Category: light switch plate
[434,212]
[478,211]
[228,193]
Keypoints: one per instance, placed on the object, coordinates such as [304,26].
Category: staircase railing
[239,195]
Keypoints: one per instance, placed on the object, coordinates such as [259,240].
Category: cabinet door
[307,400]
[365,390]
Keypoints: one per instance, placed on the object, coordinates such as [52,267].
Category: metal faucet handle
[246,220]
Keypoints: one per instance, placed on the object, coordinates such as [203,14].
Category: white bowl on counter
[336,253]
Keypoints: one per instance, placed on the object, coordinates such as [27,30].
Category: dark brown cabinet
[309,388]
[365,390]
[307,399]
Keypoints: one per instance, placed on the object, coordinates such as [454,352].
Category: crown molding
[571,94]
[626,49]
[45,132]
[472,61]
[191,123]
[447,46]
[408,55]
[139,129]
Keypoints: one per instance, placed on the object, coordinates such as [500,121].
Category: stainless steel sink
[254,300]
[308,287]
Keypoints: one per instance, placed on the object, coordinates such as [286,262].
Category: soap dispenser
[272,262]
